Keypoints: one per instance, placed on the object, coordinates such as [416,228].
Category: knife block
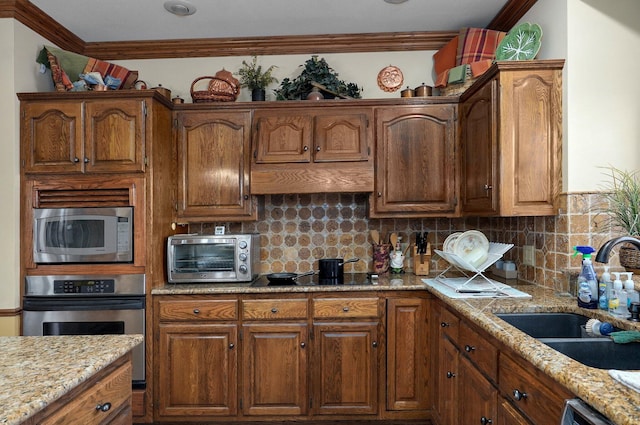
[421,268]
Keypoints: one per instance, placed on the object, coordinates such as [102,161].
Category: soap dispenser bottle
[604,289]
[632,294]
[616,293]
[587,281]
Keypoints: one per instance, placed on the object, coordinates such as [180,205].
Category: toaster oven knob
[242,256]
[242,268]
[242,244]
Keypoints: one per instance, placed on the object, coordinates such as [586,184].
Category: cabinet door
[213,165]
[282,136]
[480,152]
[197,370]
[408,354]
[478,397]
[114,136]
[508,415]
[416,170]
[51,137]
[345,368]
[448,378]
[341,136]
[275,375]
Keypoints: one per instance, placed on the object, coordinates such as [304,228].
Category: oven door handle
[83,303]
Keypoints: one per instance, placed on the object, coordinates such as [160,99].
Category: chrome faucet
[603,253]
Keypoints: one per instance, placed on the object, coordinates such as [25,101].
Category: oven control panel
[84,286]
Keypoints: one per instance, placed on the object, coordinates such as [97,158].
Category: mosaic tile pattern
[298,230]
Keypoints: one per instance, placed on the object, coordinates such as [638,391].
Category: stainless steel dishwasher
[577,412]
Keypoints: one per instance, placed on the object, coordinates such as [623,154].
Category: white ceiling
[130,20]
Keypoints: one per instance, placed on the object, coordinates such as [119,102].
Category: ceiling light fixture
[395,1]
[180,7]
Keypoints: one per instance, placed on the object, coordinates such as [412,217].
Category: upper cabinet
[511,136]
[312,150]
[84,136]
[213,166]
[416,161]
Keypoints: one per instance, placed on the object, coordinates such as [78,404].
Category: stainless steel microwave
[83,235]
[213,258]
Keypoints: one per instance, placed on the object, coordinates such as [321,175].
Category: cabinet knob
[519,395]
[374,344]
[485,421]
[76,159]
[488,187]
[302,344]
[104,407]
[345,309]
[379,194]
[231,346]
[317,148]
[444,325]
[306,148]
[246,197]
[274,310]
[196,311]
[469,348]
[86,160]
[451,375]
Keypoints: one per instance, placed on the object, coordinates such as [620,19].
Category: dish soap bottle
[587,281]
[630,290]
[604,289]
[616,293]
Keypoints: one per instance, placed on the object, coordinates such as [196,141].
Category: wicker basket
[222,87]
[630,258]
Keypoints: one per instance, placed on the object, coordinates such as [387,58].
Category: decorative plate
[472,246]
[447,246]
[390,78]
[521,43]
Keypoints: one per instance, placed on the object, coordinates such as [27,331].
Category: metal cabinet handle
[274,310]
[488,187]
[379,194]
[469,348]
[76,159]
[519,395]
[86,160]
[231,346]
[306,148]
[317,148]
[302,344]
[444,325]
[104,407]
[246,197]
[374,344]
[485,421]
[451,375]
[196,311]
[345,309]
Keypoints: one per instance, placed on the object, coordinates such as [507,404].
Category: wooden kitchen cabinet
[213,166]
[511,137]
[312,150]
[84,136]
[408,354]
[478,396]
[417,171]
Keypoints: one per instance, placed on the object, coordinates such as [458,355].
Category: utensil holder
[421,262]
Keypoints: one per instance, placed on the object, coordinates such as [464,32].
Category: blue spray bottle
[587,280]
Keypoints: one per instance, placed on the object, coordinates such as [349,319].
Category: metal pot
[285,278]
[422,91]
[333,268]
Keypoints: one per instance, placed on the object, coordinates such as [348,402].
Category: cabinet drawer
[114,389]
[345,307]
[537,396]
[274,309]
[198,310]
[449,324]
[479,351]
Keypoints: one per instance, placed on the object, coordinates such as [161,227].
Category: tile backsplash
[298,230]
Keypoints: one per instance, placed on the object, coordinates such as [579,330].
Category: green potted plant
[316,71]
[622,210]
[255,78]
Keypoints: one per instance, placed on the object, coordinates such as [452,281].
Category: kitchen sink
[547,325]
[601,353]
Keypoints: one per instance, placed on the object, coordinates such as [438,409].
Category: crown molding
[34,18]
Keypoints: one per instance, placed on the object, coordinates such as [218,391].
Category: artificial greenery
[253,77]
[318,71]
[622,194]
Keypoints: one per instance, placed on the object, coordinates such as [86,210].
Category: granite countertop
[37,370]
[616,401]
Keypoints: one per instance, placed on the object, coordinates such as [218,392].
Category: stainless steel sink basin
[601,353]
[564,333]
[547,325]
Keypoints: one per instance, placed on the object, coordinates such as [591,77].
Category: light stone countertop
[37,370]
[616,401]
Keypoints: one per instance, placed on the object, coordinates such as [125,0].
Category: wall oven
[83,235]
[87,305]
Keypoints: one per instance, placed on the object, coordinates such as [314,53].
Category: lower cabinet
[480,381]
[291,357]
